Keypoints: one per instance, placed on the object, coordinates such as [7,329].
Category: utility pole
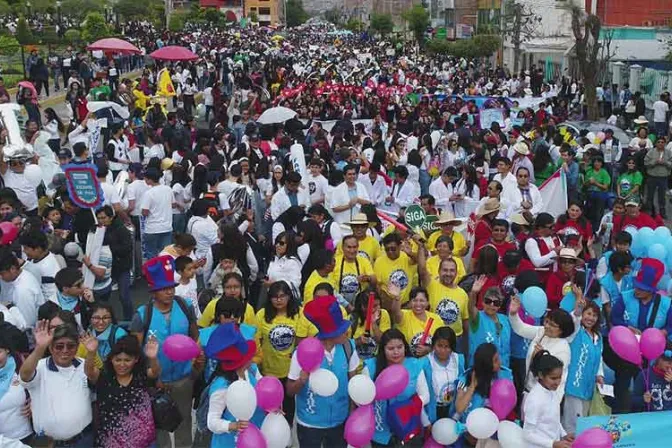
[168,6]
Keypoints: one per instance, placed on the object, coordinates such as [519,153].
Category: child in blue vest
[233,353]
[443,367]
[658,396]
[321,420]
[488,325]
[166,315]
[622,243]
[585,367]
[617,280]
[395,350]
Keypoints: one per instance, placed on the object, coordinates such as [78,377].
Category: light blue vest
[585,362]
[228,439]
[477,400]
[487,331]
[414,367]
[430,408]
[610,285]
[104,347]
[248,332]
[179,324]
[632,305]
[327,412]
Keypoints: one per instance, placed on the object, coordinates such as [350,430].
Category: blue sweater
[661,393]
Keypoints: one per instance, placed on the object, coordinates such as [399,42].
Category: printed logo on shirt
[281,337]
[508,285]
[415,342]
[367,349]
[312,187]
[448,310]
[567,231]
[349,285]
[399,278]
[363,254]
[447,393]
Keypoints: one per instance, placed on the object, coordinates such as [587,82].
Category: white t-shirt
[317,186]
[660,109]
[24,190]
[159,201]
[13,424]
[110,194]
[181,197]
[48,267]
[135,192]
[189,292]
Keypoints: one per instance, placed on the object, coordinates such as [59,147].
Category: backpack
[203,435]
[150,309]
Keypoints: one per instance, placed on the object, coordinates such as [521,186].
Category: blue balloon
[646,237]
[662,233]
[534,301]
[568,302]
[664,282]
[632,231]
[638,249]
[658,252]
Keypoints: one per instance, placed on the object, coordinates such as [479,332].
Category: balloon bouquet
[656,244]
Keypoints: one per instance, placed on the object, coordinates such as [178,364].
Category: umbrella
[28,85]
[114,45]
[276,115]
[174,53]
[95,106]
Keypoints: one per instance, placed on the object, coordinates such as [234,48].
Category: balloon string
[645,375]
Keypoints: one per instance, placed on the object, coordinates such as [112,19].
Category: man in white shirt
[317,183]
[12,172]
[157,210]
[58,386]
[403,191]
[110,194]
[660,110]
[374,184]
[136,190]
[24,289]
[291,194]
[524,197]
[442,188]
[348,197]
[504,175]
[36,247]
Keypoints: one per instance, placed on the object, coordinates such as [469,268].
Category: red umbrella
[174,53]
[114,45]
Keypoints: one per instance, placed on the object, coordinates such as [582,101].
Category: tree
[72,36]
[94,27]
[295,15]
[333,15]
[81,8]
[212,15]
[23,34]
[418,20]
[132,9]
[254,17]
[481,45]
[9,46]
[354,25]
[520,24]
[382,24]
[176,22]
[5,9]
[586,30]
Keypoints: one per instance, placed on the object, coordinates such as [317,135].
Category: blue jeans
[318,437]
[155,242]
[124,285]
[85,441]
[425,179]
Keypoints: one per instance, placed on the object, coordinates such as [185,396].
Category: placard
[83,186]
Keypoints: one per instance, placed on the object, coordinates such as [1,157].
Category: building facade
[641,13]
[267,11]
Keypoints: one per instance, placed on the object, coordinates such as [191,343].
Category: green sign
[415,217]
[429,226]
[441,33]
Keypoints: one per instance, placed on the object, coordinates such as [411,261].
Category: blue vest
[632,306]
[609,284]
[585,362]
[179,324]
[248,332]
[228,439]
[430,408]
[414,367]
[104,347]
[477,400]
[327,412]
[519,344]
[487,331]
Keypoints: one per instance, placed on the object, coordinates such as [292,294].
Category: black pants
[288,404]
[656,184]
[519,374]
[39,83]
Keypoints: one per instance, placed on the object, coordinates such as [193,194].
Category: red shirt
[586,231]
[482,232]
[501,248]
[625,221]
[554,285]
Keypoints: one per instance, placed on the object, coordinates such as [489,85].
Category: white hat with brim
[359,219]
[521,148]
[448,218]
[519,219]
[640,120]
[568,254]
[492,205]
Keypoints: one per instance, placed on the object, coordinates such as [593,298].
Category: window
[253,9]
[264,11]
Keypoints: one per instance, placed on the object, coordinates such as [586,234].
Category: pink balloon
[360,426]
[391,382]
[269,393]
[9,232]
[624,343]
[593,438]
[310,354]
[180,348]
[503,398]
[431,443]
[652,343]
[251,437]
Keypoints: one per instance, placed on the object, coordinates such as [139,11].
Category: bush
[72,36]
[176,22]
[94,27]
[481,45]
[9,46]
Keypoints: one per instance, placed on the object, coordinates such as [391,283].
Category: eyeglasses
[101,318]
[69,346]
[280,297]
[495,302]
[16,163]
[281,243]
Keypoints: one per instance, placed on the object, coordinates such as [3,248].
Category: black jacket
[118,237]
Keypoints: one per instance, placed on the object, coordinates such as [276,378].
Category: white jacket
[340,197]
[441,193]
[280,201]
[377,191]
[513,198]
[403,195]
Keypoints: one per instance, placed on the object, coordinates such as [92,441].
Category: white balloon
[241,400]
[361,389]
[444,431]
[481,423]
[323,382]
[276,431]
[33,174]
[509,434]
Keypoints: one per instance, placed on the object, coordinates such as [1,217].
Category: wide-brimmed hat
[359,219]
[568,253]
[521,148]
[228,345]
[632,201]
[160,273]
[519,219]
[649,275]
[447,217]
[490,206]
[167,164]
[641,120]
[326,315]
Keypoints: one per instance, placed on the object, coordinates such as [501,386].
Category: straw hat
[641,120]
[519,219]
[447,217]
[490,206]
[359,219]
[521,148]
[568,253]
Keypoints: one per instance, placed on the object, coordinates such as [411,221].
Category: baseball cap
[58,181]
[65,153]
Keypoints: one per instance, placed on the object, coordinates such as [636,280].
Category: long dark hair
[358,316]
[389,335]
[488,259]
[199,184]
[483,368]
[582,221]
[292,304]
[51,114]
[542,158]
[471,179]
[130,346]
[290,244]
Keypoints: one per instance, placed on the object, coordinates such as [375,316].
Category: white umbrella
[276,115]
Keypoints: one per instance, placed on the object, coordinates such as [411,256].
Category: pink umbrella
[29,85]
[114,45]
[174,53]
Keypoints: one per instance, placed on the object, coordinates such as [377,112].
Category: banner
[554,193]
[642,430]
[298,159]
[83,185]
[165,87]
[489,116]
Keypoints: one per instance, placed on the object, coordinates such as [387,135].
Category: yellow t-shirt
[346,283]
[369,248]
[208,316]
[452,304]
[305,328]
[433,267]
[313,280]
[459,244]
[277,340]
[369,350]
[82,352]
[400,272]
[412,328]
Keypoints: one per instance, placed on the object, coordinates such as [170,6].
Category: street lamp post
[58,18]
[28,5]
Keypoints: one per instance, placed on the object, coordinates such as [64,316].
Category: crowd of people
[253,235]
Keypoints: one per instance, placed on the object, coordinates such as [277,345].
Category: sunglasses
[101,318]
[494,302]
[16,163]
[69,346]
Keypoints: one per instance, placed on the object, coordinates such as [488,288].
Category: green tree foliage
[23,33]
[94,27]
[254,17]
[481,45]
[333,15]
[354,25]
[176,22]
[72,36]
[132,9]
[417,19]
[9,46]
[295,13]
[5,9]
[212,15]
[81,8]
[382,24]
[49,35]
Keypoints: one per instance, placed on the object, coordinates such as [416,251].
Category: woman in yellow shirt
[412,322]
[446,223]
[353,273]
[233,287]
[380,322]
[278,323]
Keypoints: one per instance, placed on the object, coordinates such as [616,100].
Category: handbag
[597,405]
[167,416]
